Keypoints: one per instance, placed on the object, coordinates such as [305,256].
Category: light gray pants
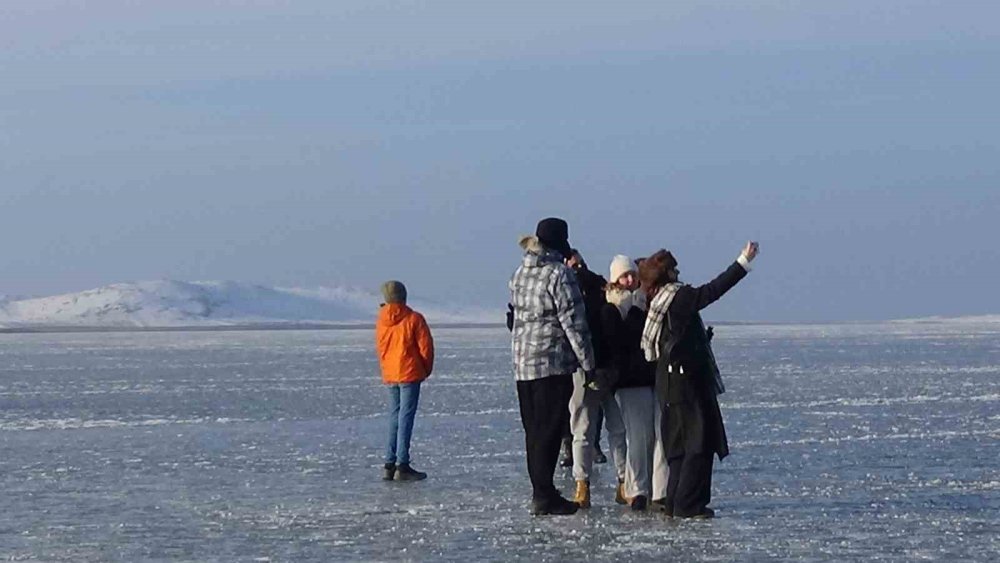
[582,411]
[646,471]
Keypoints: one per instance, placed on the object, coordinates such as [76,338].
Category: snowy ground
[875,442]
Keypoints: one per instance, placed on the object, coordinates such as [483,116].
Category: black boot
[388,471]
[557,506]
[638,503]
[406,473]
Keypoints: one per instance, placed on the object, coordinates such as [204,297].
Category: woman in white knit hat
[623,318]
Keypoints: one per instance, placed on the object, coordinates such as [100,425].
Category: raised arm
[697,298]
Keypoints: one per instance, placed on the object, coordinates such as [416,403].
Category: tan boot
[620,497]
[582,497]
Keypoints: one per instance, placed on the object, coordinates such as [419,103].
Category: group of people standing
[634,347]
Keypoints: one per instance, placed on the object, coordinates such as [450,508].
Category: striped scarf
[654,320]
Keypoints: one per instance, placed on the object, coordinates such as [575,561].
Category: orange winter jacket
[404,345]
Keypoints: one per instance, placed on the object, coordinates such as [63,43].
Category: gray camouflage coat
[550,334]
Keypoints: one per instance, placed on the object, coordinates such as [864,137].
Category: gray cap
[394,292]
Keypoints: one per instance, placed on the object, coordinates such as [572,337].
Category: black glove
[598,382]
[510,317]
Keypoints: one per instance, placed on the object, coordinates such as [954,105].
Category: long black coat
[693,424]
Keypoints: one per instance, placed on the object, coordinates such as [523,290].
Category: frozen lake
[874,442]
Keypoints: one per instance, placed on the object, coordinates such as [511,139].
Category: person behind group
[623,318]
[688,381]
[585,406]
[550,340]
[406,356]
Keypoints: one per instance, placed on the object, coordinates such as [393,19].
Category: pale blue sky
[329,142]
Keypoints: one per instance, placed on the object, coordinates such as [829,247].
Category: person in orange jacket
[406,355]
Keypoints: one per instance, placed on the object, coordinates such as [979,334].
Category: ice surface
[850,442]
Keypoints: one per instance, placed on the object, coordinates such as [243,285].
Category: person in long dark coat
[687,377]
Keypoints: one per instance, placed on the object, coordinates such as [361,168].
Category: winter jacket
[684,378]
[592,288]
[550,334]
[623,345]
[404,345]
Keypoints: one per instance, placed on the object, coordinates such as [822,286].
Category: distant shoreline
[219,328]
[55,329]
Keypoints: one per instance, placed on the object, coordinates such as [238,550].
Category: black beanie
[553,233]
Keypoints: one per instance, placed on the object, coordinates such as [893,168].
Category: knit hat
[620,265]
[553,233]
[394,292]
[653,271]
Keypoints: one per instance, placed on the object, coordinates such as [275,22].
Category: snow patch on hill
[176,303]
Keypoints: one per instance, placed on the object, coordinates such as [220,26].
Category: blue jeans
[403,400]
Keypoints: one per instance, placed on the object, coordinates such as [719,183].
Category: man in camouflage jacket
[550,341]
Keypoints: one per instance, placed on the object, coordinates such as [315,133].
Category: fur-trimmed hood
[530,243]
[536,255]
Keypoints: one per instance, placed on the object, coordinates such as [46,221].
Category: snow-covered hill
[175,303]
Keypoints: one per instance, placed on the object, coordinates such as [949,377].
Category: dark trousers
[545,415]
[689,487]
[599,423]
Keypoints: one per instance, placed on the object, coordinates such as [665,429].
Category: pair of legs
[646,469]
[584,409]
[403,399]
[544,413]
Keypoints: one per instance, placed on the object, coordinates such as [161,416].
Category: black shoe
[704,514]
[599,456]
[567,454]
[557,506]
[406,473]
[660,505]
[638,503]
[388,471]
